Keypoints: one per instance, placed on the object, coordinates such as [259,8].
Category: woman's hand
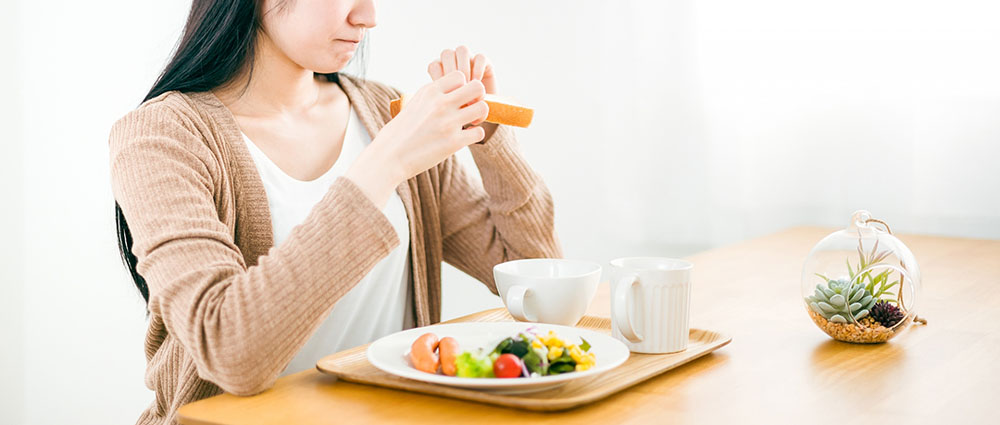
[476,67]
[429,129]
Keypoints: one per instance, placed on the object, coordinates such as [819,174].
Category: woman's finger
[481,119]
[462,61]
[488,70]
[489,77]
[448,63]
[470,92]
[474,134]
[478,66]
[450,82]
[435,70]
[474,113]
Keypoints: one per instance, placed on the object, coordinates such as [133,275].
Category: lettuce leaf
[473,365]
[534,363]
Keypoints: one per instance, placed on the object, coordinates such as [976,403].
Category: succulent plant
[839,301]
[886,314]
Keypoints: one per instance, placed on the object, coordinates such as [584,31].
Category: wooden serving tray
[352,365]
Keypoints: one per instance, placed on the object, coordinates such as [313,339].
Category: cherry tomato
[507,366]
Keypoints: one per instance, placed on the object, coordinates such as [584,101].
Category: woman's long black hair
[218,43]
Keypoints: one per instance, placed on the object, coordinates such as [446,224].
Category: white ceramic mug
[547,290]
[651,303]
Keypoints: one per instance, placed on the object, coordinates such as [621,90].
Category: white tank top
[378,305]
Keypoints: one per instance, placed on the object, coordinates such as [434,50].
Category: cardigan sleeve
[240,325]
[509,215]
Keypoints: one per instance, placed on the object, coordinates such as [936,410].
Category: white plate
[391,354]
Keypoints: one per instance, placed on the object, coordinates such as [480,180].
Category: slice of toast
[502,111]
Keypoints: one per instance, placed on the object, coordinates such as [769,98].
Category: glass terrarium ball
[861,284]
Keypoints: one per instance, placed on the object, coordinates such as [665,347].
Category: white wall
[11,217]
[661,128]
[84,65]
[813,110]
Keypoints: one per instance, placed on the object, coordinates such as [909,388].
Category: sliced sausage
[448,351]
[422,353]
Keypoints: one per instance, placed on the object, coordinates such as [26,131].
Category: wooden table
[780,368]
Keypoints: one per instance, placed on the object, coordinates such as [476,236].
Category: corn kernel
[552,340]
[555,352]
[576,354]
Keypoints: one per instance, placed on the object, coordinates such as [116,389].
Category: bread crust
[502,111]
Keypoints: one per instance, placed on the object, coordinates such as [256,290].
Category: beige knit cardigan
[227,309]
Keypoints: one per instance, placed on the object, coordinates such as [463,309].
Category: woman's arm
[509,216]
[241,325]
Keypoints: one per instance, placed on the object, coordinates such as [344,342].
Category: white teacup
[547,290]
[651,303]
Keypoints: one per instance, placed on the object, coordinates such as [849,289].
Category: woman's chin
[331,66]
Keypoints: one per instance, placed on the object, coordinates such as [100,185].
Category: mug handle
[515,303]
[621,317]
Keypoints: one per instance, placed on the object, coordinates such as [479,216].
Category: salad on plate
[528,353]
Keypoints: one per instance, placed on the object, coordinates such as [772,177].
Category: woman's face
[318,35]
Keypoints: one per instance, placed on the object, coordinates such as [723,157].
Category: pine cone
[886,314]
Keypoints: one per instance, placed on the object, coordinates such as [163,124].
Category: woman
[271,213]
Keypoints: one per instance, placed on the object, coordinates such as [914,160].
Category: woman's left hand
[476,67]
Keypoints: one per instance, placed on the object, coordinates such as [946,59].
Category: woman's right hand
[429,129]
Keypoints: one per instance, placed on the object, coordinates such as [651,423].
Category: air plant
[878,285]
